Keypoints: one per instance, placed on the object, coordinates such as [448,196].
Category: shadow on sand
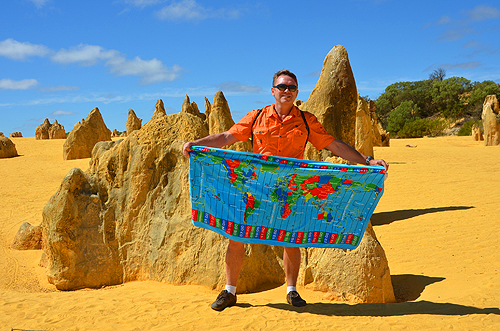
[385,309]
[409,287]
[388,217]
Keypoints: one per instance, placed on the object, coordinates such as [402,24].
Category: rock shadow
[386,309]
[409,287]
[388,217]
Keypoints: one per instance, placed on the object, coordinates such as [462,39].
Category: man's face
[284,97]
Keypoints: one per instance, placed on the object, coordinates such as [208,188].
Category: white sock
[231,289]
[290,289]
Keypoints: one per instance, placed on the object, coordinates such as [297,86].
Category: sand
[438,222]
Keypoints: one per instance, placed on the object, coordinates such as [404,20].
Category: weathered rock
[1,134]
[491,121]
[191,108]
[76,241]
[159,110]
[477,134]
[134,206]
[208,108]
[56,131]
[16,135]
[220,120]
[133,122]
[364,129]
[334,101]
[123,134]
[7,148]
[28,237]
[360,275]
[84,136]
[114,133]
[42,131]
[377,138]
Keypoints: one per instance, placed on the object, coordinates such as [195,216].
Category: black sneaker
[225,299]
[295,300]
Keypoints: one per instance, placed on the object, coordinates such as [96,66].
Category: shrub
[404,113]
[466,129]
[422,127]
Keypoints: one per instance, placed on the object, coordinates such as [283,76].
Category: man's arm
[345,151]
[216,140]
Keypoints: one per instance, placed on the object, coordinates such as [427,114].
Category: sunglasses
[283,87]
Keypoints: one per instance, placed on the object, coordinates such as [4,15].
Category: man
[280,130]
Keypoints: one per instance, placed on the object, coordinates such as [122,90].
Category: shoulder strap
[253,123]
[307,126]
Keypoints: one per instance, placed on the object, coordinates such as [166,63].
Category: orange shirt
[271,136]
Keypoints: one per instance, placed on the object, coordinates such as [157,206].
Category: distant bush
[466,129]
[404,113]
[422,127]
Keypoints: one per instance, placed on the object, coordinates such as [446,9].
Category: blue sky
[60,59]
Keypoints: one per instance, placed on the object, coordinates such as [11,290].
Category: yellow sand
[438,222]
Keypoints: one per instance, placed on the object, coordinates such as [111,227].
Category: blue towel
[263,199]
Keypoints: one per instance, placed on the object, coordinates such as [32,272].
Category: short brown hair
[286,73]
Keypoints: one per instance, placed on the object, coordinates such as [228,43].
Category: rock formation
[16,135]
[133,122]
[114,133]
[128,218]
[360,275]
[1,134]
[477,135]
[491,121]
[50,131]
[84,136]
[191,108]
[364,129]
[42,131]
[334,101]
[377,138]
[57,131]
[7,148]
[220,120]
[28,237]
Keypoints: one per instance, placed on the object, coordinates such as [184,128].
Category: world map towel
[262,199]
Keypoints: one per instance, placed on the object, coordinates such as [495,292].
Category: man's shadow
[388,217]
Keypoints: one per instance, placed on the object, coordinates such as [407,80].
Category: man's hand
[379,162]
[187,148]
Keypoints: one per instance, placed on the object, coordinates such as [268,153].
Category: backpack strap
[307,126]
[253,123]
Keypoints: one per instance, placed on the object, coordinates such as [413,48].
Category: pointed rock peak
[220,118]
[208,107]
[46,121]
[159,110]
[191,108]
[55,122]
[131,112]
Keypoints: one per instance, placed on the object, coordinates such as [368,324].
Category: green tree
[479,93]
[404,113]
[446,95]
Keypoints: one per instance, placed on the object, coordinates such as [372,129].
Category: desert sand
[438,222]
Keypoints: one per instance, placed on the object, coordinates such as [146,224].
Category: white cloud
[443,20]
[142,3]
[481,13]
[25,84]
[463,65]
[59,88]
[63,113]
[16,50]
[238,87]
[192,11]
[85,55]
[151,71]
[39,3]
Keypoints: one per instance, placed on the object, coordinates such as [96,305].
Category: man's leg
[291,260]
[235,255]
